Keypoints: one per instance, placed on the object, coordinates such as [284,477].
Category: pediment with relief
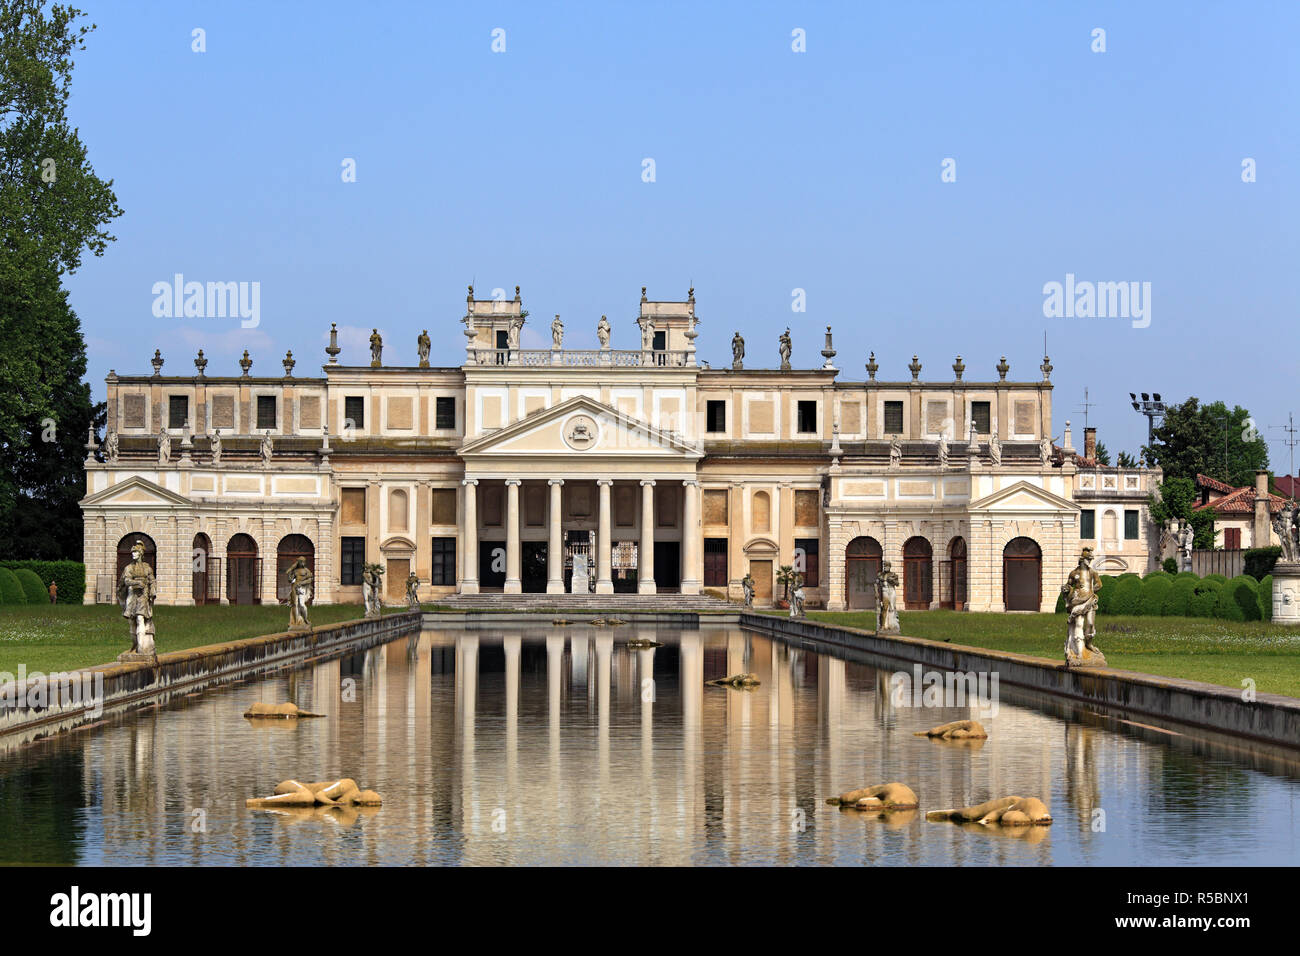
[1023,498]
[578,428]
[136,492]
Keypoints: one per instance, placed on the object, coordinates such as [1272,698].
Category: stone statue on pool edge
[413,590]
[747,585]
[371,576]
[301,591]
[137,591]
[1081,589]
[886,600]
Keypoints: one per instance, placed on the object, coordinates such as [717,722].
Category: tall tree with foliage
[53,208]
[1175,500]
[1193,437]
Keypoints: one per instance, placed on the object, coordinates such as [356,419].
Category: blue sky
[774,171]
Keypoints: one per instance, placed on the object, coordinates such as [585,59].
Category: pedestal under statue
[580,582]
[1081,589]
[137,590]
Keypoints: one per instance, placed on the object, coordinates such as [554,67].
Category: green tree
[1126,460]
[1103,454]
[52,209]
[1193,437]
[1175,500]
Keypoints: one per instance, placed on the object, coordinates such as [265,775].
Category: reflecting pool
[563,745]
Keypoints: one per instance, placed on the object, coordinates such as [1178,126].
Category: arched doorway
[918,574]
[243,571]
[953,579]
[861,567]
[1022,575]
[287,552]
[205,570]
[124,555]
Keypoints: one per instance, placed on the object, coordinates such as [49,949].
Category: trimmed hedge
[1128,595]
[1258,562]
[1060,603]
[1108,584]
[1264,593]
[1205,598]
[11,592]
[1155,591]
[1221,578]
[1239,600]
[1170,565]
[32,586]
[70,576]
[1179,600]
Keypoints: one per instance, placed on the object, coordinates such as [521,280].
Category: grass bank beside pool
[1203,649]
[62,637]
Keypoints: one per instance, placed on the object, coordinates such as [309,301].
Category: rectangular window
[1232,539]
[444,412]
[266,412]
[354,412]
[1131,525]
[810,547]
[178,411]
[716,416]
[715,562]
[1088,525]
[352,560]
[808,417]
[444,561]
[981,414]
[893,418]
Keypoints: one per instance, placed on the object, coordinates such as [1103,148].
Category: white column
[691,583]
[469,539]
[646,558]
[555,548]
[513,584]
[604,560]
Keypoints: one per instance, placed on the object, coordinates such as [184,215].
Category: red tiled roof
[1239,501]
[1214,484]
[1287,485]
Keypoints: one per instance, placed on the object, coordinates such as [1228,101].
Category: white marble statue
[268,449]
[301,591]
[371,578]
[886,600]
[413,591]
[136,591]
[557,333]
[111,447]
[1081,592]
[747,586]
[895,451]
[164,447]
[797,598]
[602,332]
[216,447]
[995,449]
[1185,539]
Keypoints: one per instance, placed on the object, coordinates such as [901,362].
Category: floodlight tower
[1152,407]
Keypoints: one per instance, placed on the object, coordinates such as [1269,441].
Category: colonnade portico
[517,521]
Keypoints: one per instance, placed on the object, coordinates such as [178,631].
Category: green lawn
[1204,649]
[60,637]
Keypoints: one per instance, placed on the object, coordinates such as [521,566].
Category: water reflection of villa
[658,473]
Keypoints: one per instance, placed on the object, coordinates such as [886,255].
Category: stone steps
[605,602]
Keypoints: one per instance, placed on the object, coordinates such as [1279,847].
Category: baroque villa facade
[658,472]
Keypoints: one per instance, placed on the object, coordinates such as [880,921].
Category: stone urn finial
[958,367]
[1046,368]
[157,362]
[643,293]
[828,352]
[245,363]
[915,368]
[288,363]
[200,363]
[333,350]
[1003,368]
[872,367]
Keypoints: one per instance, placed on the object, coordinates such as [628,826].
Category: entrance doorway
[1022,575]
[533,566]
[761,572]
[668,565]
[243,571]
[291,548]
[205,571]
[954,576]
[861,568]
[918,574]
[492,564]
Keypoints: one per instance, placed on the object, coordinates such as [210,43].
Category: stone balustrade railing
[582,358]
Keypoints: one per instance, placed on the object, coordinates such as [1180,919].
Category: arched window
[124,554]
[954,579]
[204,577]
[762,506]
[397,510]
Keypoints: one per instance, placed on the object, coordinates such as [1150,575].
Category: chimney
[1090,442]
[1263,520]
